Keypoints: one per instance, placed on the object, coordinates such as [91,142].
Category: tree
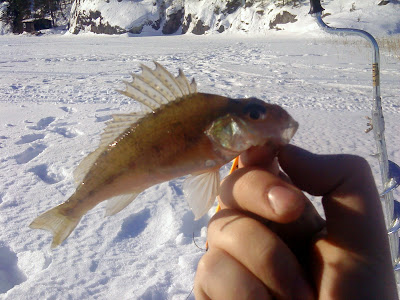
[44,8]
[17,10]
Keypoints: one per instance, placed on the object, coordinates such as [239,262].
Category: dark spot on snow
[43,123]
[133,225]
[68,109]
[29,138]
[15,87]
[30,153]
[93,266]
[176,188]
[42,172]
[103,118]
[154,292]
[104,109]
[10,274]
[65,132]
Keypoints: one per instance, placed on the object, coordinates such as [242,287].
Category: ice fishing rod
[390,172]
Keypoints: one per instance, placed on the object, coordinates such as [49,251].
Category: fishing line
[194,242]
[235,166]
[191,291]
[203,249]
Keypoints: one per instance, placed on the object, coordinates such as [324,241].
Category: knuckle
[256,291]
[203,265]
[268,250]
[204,268]
[359,161]
[209,260]
[355,162]
[358,167]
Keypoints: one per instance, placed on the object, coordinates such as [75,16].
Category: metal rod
[391,218]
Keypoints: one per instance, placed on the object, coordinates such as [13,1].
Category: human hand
[268,242]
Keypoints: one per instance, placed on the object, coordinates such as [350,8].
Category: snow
[125,14]
[254,17]
[57,91]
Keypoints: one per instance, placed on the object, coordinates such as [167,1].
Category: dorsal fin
[154,88]
[114,129]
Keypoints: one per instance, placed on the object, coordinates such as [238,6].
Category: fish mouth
[289,131]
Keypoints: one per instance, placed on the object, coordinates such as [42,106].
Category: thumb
[354,217]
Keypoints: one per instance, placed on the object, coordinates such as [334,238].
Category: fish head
[251,122]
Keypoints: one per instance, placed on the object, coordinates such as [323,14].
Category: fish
[179,132]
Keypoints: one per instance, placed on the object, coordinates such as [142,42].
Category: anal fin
[118,203]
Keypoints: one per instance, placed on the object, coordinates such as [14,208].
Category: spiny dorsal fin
[154,88]
[115,127]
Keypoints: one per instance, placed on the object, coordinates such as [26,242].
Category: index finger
[257,191]
[256,187]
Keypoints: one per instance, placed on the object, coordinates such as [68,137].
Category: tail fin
[55,221]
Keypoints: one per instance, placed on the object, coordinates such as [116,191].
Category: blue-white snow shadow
[133,225]
[10,274]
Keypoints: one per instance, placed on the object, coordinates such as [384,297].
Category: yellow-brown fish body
[195,133]
[150,152]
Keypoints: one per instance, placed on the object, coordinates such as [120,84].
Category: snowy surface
[361,14]
[254,18]
[125,14]
[56,92]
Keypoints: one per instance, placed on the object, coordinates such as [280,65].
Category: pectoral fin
[200,192]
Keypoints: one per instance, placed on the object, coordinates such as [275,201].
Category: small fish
[180,132]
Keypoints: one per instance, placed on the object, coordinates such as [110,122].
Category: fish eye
[254,114]
[255,111]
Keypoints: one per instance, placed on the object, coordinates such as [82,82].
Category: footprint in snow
[15,86]
[45,175]
[2,137]
[29,138]
[10,274]
[43,123]
[104,109]
[133,225]
[65,132]
[29,153]
[33,262]
[68,109]
[103,118]
[93,266]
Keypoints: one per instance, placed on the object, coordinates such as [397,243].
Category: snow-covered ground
[56,92]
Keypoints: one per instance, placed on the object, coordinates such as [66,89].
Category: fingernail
[283,200]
